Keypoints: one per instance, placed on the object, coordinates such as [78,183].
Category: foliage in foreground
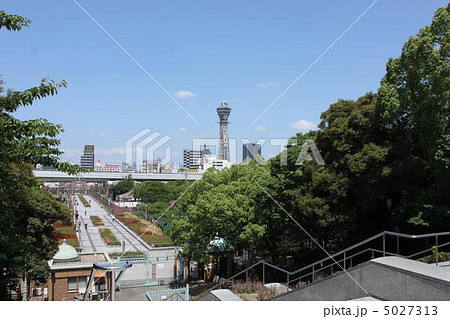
[28,213]
[253,290]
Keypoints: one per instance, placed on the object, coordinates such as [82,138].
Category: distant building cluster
[193,160]
[105,168]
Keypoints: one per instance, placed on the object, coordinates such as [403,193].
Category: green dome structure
[219,245]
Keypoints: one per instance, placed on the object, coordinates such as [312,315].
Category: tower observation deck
[223,151]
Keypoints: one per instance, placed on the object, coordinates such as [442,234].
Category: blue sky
[245,52]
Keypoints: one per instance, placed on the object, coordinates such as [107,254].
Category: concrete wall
[387,278]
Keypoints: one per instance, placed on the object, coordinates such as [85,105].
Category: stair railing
[310,272]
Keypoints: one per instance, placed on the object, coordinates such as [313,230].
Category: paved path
[90,238]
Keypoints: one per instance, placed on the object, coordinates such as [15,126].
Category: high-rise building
[192,159]
[87,159]
[249,150]
[223,150]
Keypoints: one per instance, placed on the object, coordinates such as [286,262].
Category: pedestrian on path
[85,212]
[85,225]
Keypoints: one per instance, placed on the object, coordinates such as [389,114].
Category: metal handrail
[339,261]
[344,251]
[371,239]
[425,250]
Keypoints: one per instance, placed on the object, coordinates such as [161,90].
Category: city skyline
[109,98]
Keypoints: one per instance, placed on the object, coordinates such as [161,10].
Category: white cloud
[261,128]
[183,129]
[265,85]
[303,125]
[103,134]
[183,94]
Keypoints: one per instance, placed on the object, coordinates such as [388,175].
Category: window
[81,282]
[76,283]
[72,283]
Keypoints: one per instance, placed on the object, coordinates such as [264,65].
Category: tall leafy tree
[26,212]
[414,106]
[222,203]
[123,186]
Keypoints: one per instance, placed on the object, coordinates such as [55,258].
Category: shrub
[84,201]
[253,287]
[108,237]
[97,221]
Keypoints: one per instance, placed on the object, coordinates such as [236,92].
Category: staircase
[364,251]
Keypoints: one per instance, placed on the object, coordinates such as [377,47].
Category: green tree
[154,191]
[123,186]
[222,203]
[414,106]
[26,212]
[345,197]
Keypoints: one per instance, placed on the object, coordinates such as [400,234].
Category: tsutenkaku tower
[223,151]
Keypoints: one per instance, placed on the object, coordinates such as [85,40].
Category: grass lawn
[97,221]
[109,237]
[142,228]
[67,232]
[84,201]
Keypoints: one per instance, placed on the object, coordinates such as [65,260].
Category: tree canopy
[123,186]
[27,213]
[222,203]
[155,191]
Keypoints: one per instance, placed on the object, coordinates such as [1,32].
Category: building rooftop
[68,258]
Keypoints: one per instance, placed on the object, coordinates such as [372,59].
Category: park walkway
[90,238]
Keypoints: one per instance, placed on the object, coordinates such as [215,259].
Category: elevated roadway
[55,176]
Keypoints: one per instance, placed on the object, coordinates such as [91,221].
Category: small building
[70,271]
[105,168]
[221,256]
